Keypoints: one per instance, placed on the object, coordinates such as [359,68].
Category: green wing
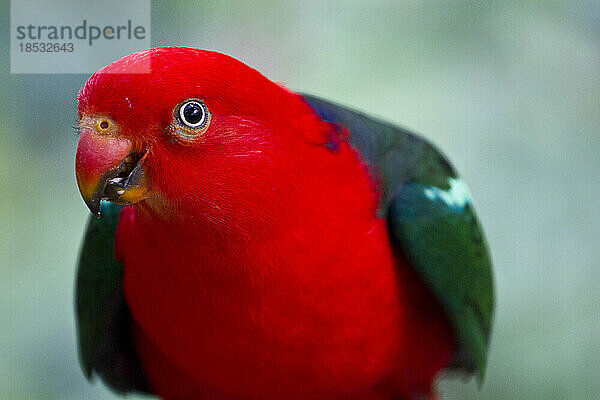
[103,318]
[431,219]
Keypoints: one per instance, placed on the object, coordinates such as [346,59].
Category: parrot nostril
[103,126]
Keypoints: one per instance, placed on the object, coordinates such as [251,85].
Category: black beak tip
[94,206]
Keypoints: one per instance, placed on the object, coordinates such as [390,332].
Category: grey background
[508,89]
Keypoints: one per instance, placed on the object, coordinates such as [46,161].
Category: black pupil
[192,113]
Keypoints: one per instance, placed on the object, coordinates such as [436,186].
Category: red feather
[258,268]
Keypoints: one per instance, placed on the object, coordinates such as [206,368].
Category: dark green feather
[431,222]
[103,319]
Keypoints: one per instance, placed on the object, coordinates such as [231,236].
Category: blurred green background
[510,90]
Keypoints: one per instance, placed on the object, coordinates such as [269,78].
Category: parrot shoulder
[102,315]
[431,220]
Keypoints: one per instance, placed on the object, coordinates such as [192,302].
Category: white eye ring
[192,113]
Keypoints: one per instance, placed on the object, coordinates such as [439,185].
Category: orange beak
[108,168]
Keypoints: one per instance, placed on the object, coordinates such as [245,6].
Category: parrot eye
[190,119]
[193,114]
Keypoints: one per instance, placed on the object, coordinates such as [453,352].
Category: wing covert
[431,219]
[102,315]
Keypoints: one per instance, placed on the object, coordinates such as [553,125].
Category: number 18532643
[46,47]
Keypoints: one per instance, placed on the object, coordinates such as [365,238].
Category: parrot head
[187,131]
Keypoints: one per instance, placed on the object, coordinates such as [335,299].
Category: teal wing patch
[431,219]
[103,319]
[438,231]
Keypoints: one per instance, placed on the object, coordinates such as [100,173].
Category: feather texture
[283,253]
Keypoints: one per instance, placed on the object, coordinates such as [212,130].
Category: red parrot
[262,244]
